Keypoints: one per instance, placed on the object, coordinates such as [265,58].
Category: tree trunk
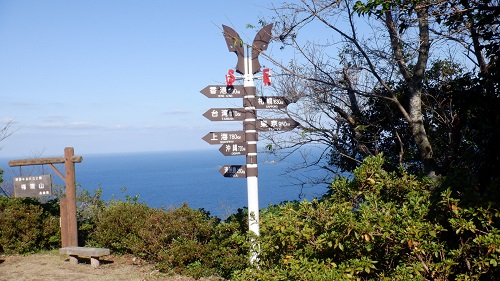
[417,121]
[414,80]
[420,135]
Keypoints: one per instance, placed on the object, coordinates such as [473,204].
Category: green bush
[179,240]
[27,226]
[375,226]
[119,225]
[380,226]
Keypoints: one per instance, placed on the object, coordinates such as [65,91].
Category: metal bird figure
[235,44]
[260,44]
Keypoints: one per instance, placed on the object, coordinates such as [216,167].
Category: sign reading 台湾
[33,186]
[225,114]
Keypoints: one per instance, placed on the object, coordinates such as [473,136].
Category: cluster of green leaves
[179,240]
[379,225]
[27,226]
[376,225]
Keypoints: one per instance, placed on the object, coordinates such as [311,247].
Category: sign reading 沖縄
[33,186]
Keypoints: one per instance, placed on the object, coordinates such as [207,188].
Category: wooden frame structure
[69,227]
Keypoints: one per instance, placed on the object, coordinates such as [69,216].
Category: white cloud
[176,111]
[7,120]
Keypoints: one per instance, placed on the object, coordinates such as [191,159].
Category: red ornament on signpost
[230,77]
[266,76]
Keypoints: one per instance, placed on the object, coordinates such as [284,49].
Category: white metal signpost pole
[251,132]
[247,65]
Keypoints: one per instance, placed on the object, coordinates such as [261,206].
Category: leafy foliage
[379,225]
[26,226]
[375,225]
[180,240]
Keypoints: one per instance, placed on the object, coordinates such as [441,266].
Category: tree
[4,133]
[362,87]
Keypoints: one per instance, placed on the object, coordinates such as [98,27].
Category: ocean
[169,179]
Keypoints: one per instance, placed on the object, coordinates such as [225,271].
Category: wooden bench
[93,253]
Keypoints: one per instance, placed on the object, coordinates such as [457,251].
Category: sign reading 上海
[33,186]
[224,91]
[225,114]
[224,137]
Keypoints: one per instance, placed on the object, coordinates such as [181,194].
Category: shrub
[119,225]
[27,226]
[179,240]
[378,225]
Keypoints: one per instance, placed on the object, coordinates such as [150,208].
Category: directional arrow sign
[224,137]
[278,124]
[270,102]
[225,114]
[223,91]
[234,171]
[234,149]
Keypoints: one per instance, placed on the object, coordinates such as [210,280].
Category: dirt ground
[53,266]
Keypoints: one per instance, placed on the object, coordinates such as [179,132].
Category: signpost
[69,227]
[245,142]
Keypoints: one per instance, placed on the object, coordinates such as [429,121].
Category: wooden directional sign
[225,114]
[224,137]
[234,149]
[277,124]
[270,102]
[223,91]
[234,171]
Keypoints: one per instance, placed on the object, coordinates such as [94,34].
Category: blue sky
[115,76]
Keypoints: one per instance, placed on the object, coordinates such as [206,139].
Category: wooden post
[69,227]
[64,222]
[69,152]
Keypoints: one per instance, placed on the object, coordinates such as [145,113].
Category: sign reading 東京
[33,186]
[277,124]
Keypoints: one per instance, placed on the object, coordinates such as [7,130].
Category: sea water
[169,179]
